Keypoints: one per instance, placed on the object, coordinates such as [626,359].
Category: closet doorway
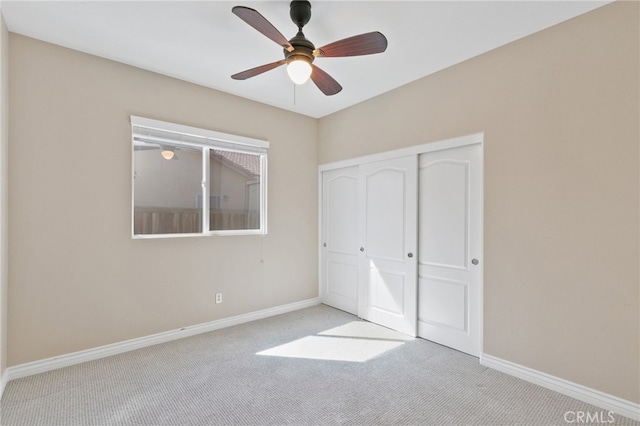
[401,236]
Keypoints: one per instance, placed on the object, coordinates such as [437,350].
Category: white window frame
[207,139]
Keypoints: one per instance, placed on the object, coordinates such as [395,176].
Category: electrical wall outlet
[218,297]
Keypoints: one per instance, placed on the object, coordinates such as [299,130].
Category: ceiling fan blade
[324,81]
[363,44]
[260,23]
[257,70]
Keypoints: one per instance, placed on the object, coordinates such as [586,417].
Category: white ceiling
[204,43]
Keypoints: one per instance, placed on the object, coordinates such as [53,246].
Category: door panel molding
[451,287]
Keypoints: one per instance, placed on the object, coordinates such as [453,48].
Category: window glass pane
[180,172]
[167,189]
[234,198]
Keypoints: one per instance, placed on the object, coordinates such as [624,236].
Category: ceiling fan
[299,52]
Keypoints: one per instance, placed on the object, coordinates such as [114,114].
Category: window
[190,181]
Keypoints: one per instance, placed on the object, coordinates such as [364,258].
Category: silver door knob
[410,255]
[362,249]
[474,261]
[324,244]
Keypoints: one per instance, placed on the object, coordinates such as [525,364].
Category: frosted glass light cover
[299,71]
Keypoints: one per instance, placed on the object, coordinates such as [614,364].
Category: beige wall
[77,279]
[4,173]
[560,112]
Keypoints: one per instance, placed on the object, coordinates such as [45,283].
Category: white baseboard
[53,363]
[591,396]
[3,382]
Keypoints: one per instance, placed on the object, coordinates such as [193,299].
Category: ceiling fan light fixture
[299,69]
[167,153]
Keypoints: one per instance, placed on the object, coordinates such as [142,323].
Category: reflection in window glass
[234,198]
[167,189]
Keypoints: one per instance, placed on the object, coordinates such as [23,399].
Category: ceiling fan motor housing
[302,49]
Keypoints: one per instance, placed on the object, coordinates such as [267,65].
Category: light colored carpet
[317,366]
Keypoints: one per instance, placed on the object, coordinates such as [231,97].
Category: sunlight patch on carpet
[366,330]
[357,341]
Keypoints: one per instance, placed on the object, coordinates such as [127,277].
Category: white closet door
[388,225]
[450,272]
[339,251]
